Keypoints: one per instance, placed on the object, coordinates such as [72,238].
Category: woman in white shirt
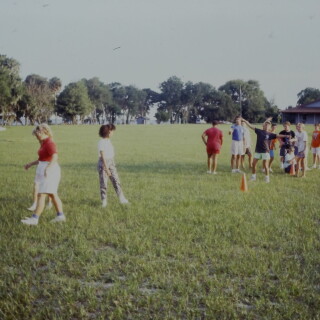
[106,165]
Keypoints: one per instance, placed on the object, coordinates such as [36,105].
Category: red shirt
[47,150]
[214,138]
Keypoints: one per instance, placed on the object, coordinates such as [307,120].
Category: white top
[302,138]
[287,159]
[247,137]
[106,147]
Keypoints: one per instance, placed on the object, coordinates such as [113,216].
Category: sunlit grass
[189,246]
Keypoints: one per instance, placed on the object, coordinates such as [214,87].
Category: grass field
[189,246]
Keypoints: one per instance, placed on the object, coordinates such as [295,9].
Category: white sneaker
[61,218]
[33,207]
[214,172]
[123,200]
[270,170]
[238,171]
[209,172]
[233,170]
[253,177]
[314,166]
[267,179]
[104,203]
[30,221]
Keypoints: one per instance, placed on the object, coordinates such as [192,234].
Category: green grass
[189,246]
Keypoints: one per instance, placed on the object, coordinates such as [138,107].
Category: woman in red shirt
[48,175]
[213,139]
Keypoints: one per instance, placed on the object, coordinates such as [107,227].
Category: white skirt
[50,183]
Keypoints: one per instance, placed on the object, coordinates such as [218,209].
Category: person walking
[106,165]
[48,174]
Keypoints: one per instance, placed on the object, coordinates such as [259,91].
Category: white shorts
[237,148]
[50,183]
[315,151]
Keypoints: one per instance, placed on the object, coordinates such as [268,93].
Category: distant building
[308,113]
[142,120]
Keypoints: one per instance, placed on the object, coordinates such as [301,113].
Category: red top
[315,143]
[214,138]
[47,150]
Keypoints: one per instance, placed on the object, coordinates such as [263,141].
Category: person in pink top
[213,139]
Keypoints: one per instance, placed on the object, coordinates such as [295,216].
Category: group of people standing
[48,174]
[292,145]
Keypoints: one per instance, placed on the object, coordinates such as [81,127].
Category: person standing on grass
[237,145]
[287,141]
[213,139]
[272,145]
[36,189]
[106,165]
[262,147]
[315,146]
[48,175]
[247,147]
[302,139]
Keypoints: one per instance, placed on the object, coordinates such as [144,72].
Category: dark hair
[105,129]
[215,122]
[273,125]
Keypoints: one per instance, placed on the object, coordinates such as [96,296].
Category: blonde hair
[43,128]
[300,124]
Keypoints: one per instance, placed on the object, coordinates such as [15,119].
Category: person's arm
[105,164]
[30,164]
[248,124]
[204,138]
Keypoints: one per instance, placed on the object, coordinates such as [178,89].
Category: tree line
[37,98]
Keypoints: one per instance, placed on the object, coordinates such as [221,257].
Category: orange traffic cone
[244,186]
[292,170]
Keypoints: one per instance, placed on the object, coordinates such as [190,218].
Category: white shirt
[302,139]
[287,159]
[247,137]
[106,147]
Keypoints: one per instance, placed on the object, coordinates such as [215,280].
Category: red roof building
[308,113]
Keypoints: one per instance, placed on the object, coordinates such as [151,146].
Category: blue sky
[276,42]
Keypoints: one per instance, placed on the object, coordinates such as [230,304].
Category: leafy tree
[10,88]
[38,99]
[247,97]
[171,91]
[308,95]
[100,96]
[74,102]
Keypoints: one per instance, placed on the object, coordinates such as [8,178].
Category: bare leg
[233,159]
[254,166]
[209,162]
[56,202]
[35,192]
[238,161]
[214,158]
[242,161]
[40,204]
[250,160]
[298,160]
[270,162]
[265,164]
[303,166]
